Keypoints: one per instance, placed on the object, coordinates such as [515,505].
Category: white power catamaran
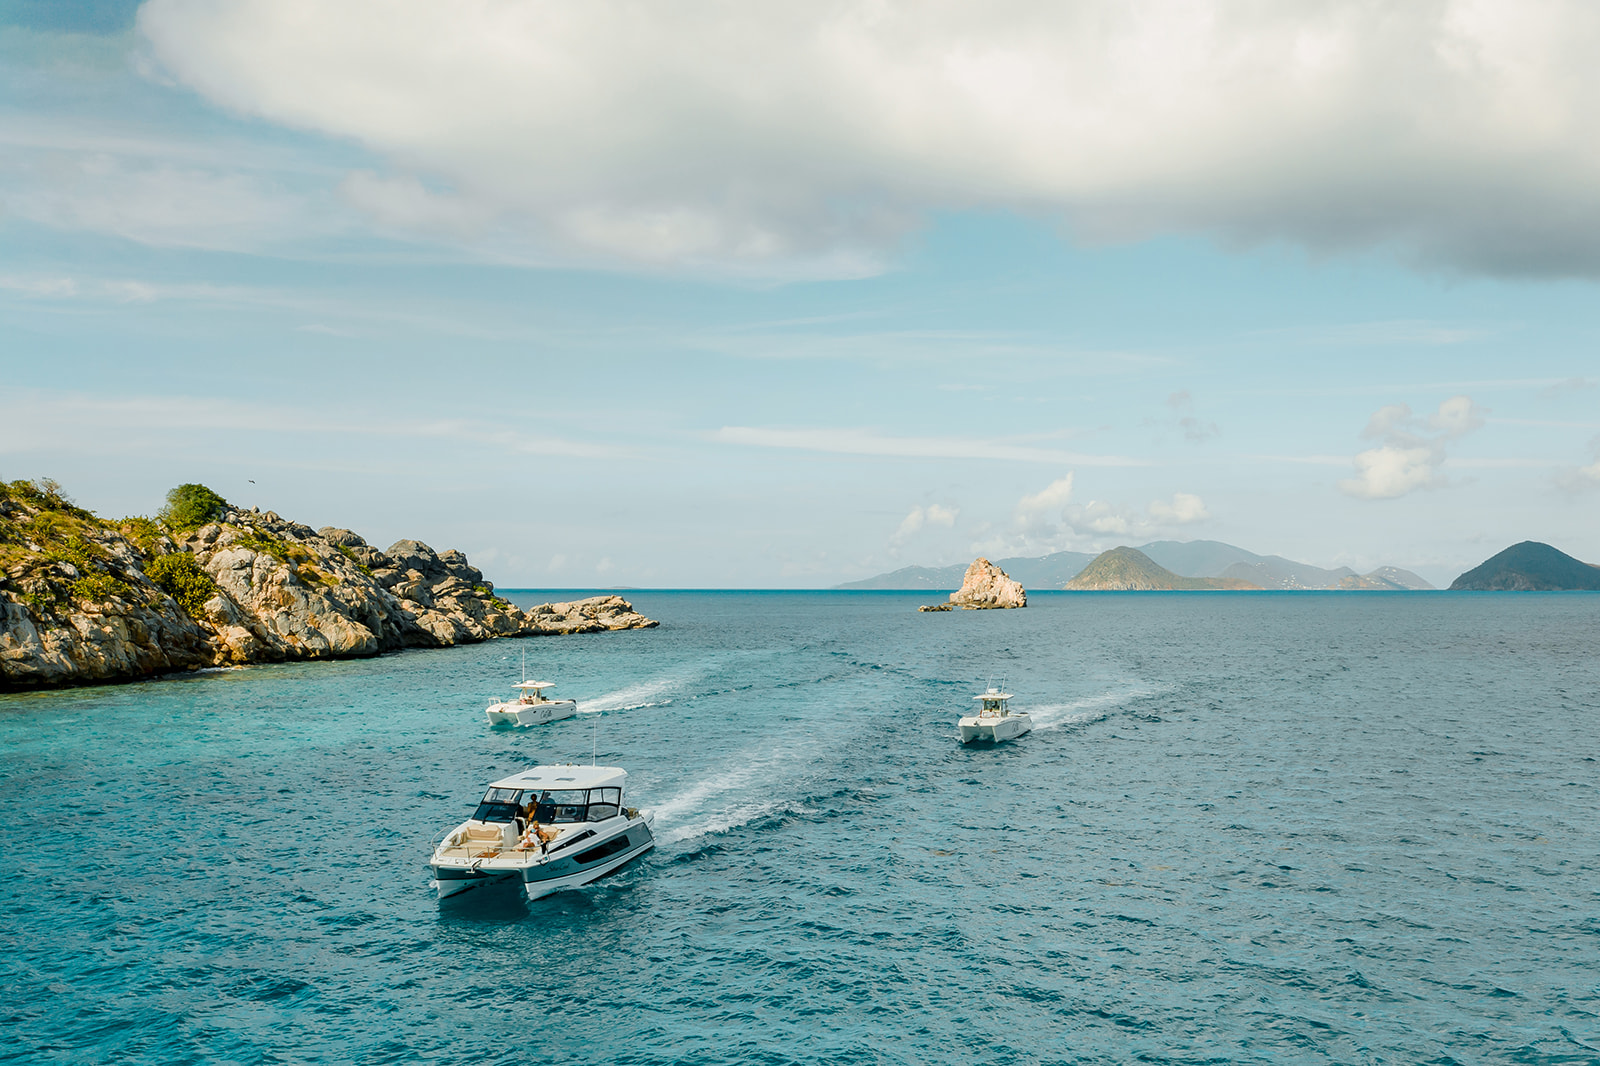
[995,720]
[546,828]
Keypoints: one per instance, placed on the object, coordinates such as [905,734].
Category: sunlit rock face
[77,606]
[987,586]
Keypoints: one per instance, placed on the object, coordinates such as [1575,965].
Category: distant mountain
[1193,558]
[1196,558]
[1400,579]
[1131,570]
[917,578]
[1276,572]
[1046,572]
[1529,567]
[1049,572]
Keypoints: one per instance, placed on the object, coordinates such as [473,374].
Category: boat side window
[499,805]
[564,805]
[604,803]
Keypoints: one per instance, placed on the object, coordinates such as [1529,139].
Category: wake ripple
[700,814]
[1088,709]
[651,693]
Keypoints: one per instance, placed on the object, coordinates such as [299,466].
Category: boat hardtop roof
[535,684]
[994,694]
[564,777]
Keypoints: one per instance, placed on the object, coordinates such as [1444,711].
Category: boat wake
[652,693]
[1088,709]
[694,812]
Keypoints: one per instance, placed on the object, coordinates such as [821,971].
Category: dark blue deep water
[1274,828]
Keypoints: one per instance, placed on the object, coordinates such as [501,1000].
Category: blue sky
[789,295]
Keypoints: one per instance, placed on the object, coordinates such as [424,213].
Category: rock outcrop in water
[86,600]
[985,586]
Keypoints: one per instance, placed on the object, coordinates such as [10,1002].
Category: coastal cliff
[83,599]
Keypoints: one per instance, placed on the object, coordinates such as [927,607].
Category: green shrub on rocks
[45,493]
[142,532]
[180,576]
[99,587]
[192,505]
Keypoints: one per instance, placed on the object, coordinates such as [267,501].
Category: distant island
[1201,559]
[85,599]
[1131,570]
[1530,567]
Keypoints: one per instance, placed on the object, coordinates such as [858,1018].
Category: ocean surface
[1247,828]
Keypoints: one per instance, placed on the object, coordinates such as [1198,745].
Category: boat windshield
[579,805]
[499,805]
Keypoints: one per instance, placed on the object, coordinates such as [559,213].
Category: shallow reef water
[1247,827]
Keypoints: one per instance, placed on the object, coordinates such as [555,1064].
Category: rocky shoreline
[84,600]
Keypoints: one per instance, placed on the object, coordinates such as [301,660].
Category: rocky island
[84,599]
[984,587]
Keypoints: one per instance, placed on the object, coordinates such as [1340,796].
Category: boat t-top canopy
[993,694]
[564,777]
[535,685]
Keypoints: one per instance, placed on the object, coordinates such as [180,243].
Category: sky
[719,294]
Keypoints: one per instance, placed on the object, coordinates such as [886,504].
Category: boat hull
[994,730]
[566,866]
[526,714]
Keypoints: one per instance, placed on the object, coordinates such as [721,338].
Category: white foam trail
[644,694]
[697,798]
[722,821]
[695,795]
[1088,709]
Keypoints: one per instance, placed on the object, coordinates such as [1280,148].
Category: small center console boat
[995,720]
[547,828]
[531,707]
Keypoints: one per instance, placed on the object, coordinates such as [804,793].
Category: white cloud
[921,518]
[1098,518]
[1456,416]
[1391,470]
[1582,478]
[1037,515]
[868,442]
[404,203]
[1048,521]
[52,288]
[794,136]
[105,424]
[1413,448]
[1184,509]
[157,203]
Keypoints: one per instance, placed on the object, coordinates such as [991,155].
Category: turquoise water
[1292,828]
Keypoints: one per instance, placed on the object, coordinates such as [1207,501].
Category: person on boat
[536,835]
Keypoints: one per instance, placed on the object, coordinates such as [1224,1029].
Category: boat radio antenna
[594,744]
